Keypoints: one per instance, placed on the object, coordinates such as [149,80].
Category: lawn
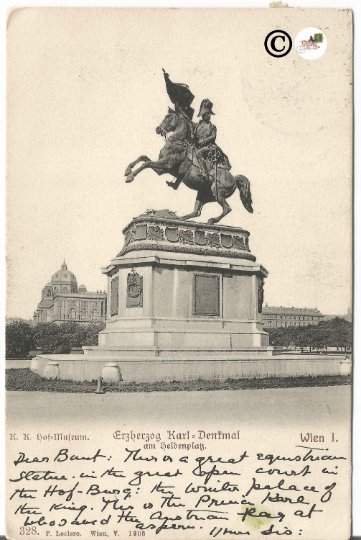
[26,380]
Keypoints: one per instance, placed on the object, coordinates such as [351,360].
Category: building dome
[63,280]
[62,300]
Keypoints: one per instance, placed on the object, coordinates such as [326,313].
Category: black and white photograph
[179,314]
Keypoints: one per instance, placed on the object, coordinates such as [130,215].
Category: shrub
[19,339]
[61,338]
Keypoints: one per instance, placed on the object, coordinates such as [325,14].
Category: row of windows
[50,292]
[83,314]
[73,315]
[293,317]
[284,324]
[84,305]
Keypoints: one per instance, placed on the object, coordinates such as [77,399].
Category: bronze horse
[176,158]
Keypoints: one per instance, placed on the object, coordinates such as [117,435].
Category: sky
[85,94]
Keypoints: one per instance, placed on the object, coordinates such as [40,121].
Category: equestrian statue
[191,155]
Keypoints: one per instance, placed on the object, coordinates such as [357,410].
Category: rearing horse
[175,159]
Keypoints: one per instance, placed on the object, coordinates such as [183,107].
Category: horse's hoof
[128,171]
[212,221]
[129,178]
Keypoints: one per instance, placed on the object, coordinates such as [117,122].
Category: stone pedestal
[184,302]
[181,290]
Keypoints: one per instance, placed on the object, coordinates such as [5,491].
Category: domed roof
[63,276]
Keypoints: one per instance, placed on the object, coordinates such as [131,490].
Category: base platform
[70,367]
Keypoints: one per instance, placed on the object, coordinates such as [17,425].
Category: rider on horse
[204,136]
[184,141]
[207,151]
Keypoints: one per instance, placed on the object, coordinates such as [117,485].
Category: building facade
[279,316]
[62,300]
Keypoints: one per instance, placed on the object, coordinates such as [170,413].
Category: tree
[49,338]
[91,332]
[334,333]
[19,339]
[61,338]
[341,332]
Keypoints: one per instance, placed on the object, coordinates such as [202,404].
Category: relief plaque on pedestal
[134,289]
[206,295]
[114,296]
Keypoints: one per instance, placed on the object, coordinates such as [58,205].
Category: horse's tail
[244,187]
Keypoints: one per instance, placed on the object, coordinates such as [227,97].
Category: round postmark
[311,43]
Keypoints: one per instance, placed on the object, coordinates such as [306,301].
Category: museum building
[279,316]
[62,300]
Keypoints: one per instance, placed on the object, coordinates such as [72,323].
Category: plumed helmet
[206,106]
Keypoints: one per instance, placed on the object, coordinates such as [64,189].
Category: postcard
[179,262]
